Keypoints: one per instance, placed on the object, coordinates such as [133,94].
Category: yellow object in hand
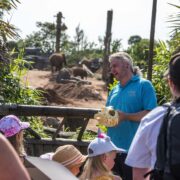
[107,116]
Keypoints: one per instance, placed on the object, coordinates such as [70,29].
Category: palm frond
[174,20]
[8,30]
[174,5]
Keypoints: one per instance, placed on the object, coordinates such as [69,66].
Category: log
[66,81]
[60,134]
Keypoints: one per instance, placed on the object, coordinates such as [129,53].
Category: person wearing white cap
[101,155]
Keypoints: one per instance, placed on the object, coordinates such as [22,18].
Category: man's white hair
[123,56]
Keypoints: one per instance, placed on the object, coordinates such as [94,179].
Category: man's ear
[126,64]
[171,84]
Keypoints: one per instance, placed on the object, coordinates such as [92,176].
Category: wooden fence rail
[36,147]
[33,110]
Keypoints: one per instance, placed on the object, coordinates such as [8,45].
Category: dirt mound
[51,97]
[66,92]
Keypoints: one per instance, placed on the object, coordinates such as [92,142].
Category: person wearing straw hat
[70,157]
[12,128]
[101,155]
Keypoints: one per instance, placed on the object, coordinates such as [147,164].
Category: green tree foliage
[162,57]
[139,52]
[13,91]
[116,45]
[163,53]
[79,38]
[12,46]
[44,38]
[134,39]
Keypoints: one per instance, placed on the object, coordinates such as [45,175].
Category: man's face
[118,69]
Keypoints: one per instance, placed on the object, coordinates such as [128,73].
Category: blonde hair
[93,165]
[17,144]
[123,56]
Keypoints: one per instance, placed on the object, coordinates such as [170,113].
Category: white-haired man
[133,97]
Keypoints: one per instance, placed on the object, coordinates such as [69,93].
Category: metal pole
[151,44]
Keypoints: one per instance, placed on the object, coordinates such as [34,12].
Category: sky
[130,17]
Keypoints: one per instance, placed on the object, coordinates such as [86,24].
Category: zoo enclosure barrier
[38,145]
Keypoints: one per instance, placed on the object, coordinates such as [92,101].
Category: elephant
[57,60]
[78,71]
[63,74]
[85,62]
[92,64]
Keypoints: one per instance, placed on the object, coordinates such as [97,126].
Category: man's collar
[133,78]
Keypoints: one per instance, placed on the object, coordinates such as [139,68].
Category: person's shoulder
[158,110]
[116,177]
[146,85]
[154,115]
[144,81]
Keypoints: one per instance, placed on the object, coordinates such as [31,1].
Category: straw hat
[68,156]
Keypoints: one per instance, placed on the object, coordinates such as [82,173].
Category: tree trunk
[107,42]
[58,31]
[151,45]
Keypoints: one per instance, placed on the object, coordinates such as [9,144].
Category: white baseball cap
[102,144]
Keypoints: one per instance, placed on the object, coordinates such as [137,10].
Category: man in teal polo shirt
[133,97]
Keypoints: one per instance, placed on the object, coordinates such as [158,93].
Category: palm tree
[7,29]
[174,20]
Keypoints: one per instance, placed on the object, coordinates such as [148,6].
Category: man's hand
[121,116]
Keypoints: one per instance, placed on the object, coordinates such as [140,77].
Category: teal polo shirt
[137,95]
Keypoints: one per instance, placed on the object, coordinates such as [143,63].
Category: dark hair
[174,70]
